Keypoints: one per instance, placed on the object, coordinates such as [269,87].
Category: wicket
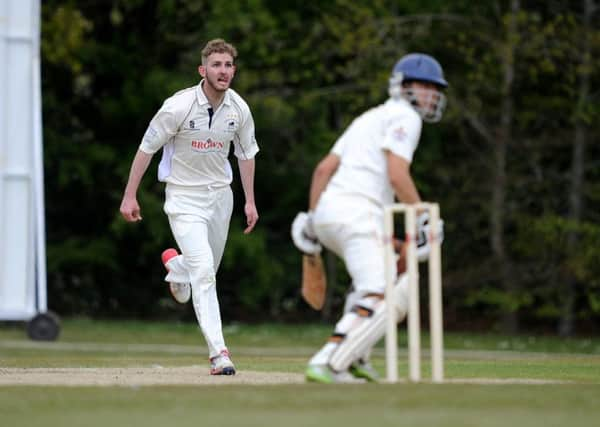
[435,293]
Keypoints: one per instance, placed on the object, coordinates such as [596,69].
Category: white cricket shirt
[196,140]
[394,126]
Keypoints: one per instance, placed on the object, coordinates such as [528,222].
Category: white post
[412,269]
[38,166]
[391,336]
[435,297]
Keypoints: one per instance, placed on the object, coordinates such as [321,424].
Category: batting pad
[365,334]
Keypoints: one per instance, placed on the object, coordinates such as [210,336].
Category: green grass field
[492,380]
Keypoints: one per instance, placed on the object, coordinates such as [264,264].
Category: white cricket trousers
[352,228]
[199,218]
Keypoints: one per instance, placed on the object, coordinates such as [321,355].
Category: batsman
[367,169]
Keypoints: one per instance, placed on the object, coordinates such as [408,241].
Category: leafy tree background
[514,164]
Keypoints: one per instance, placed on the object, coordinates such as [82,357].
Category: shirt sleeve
[401,135]
[161,129]
[338,147]
[245,145]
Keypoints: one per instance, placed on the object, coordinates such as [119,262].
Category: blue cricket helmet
[420,67]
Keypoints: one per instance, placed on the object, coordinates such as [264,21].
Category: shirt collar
[203,100]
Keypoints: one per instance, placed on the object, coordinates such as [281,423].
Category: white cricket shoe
[181,292]
[222,364]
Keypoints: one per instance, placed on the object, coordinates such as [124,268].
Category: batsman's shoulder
[403,119]
[400,108]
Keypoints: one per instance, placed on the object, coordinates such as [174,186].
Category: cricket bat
[314,281]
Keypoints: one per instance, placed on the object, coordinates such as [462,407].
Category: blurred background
[514,164]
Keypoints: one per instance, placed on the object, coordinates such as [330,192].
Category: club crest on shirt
[207,146]
[231,123]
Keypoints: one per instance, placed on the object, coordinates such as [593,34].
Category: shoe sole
[179,300]
[364,375]
[225,371]
[317,377]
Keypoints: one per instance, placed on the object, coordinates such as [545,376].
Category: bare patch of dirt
[138,376]
[185,375]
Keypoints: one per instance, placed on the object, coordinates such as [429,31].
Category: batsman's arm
[406,191]
[321,176]
[130,209]
[401,179]
[247,168]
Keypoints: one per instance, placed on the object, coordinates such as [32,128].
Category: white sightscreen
[22,233]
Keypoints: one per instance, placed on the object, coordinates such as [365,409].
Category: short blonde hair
[218,46]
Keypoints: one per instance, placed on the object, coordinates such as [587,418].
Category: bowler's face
[218,71]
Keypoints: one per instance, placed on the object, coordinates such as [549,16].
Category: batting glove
[303,234]
[424,234]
